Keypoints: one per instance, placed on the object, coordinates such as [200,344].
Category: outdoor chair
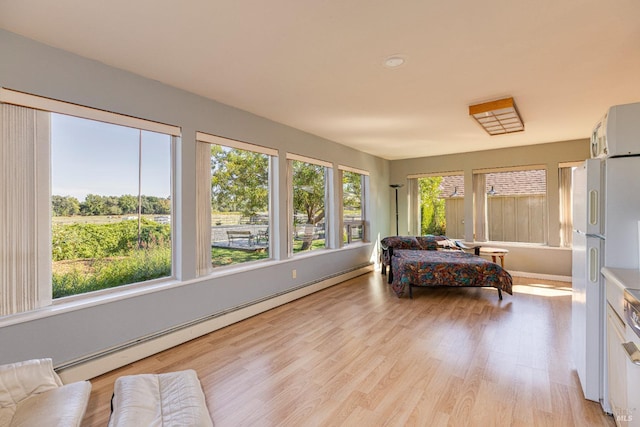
[307,238]
[262,235]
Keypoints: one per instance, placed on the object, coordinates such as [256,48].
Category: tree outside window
[352,201]
[239,205]
[441,205]
[309,202]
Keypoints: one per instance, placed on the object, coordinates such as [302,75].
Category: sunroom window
[437,204]
[111,205]
[354,183]
[234,198]
[88,200]
[511,205]
[309,191]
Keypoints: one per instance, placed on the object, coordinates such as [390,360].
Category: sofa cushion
[430,243]
[174,398]
[400,242]
[23,379]
[32,394]
[61,407]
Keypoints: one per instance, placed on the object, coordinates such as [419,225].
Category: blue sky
[90,157]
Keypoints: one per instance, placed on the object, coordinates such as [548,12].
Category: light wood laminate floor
[356,355]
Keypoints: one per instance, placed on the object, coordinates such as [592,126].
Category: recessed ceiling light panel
[498,117]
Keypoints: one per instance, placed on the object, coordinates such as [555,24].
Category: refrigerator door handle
[594,266]
[593,207]
[598,236]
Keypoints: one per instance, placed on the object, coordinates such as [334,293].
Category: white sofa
[32,394]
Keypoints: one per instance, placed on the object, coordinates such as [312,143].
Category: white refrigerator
[606,210]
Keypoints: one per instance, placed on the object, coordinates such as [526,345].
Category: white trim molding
[232,143]
[291,156]
[22,99]
[354,170]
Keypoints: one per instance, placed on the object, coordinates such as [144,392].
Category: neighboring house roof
[504,183]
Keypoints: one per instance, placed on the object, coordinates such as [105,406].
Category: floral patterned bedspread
[445,268]
[427,243]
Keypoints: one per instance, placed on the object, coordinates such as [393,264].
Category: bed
[391,243]
[415,268]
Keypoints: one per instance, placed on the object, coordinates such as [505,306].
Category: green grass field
[224,218]
[223,256]
[100,252]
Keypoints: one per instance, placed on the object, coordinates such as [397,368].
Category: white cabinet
[617,367]
[622,374]
[633,382]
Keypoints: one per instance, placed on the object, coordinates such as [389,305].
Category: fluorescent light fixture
[497,117]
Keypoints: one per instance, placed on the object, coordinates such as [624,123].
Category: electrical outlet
[294,274]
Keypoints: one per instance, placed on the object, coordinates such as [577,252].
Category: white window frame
[328,190]
[204,218]
[481,208]
[43,197]
[414,202]
[8,96]
[565,190]
[364,197]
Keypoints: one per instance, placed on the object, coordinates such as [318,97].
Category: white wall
[74,334]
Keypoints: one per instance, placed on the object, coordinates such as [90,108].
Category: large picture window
[515,202]
[234,200]
[354,184]
[111,205]
[309,203]
[565,191]
[87,200]
[438,206]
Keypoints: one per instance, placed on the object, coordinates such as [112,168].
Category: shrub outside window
[111,205]
[442,205]
[436,204]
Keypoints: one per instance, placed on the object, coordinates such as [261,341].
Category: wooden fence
[454,216]
[518,218]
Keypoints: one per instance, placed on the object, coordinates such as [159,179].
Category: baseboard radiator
[97,364]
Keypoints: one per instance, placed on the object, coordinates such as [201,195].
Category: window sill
[311,253]
[346,247]
[80,302]
[228,270]
[354,245]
